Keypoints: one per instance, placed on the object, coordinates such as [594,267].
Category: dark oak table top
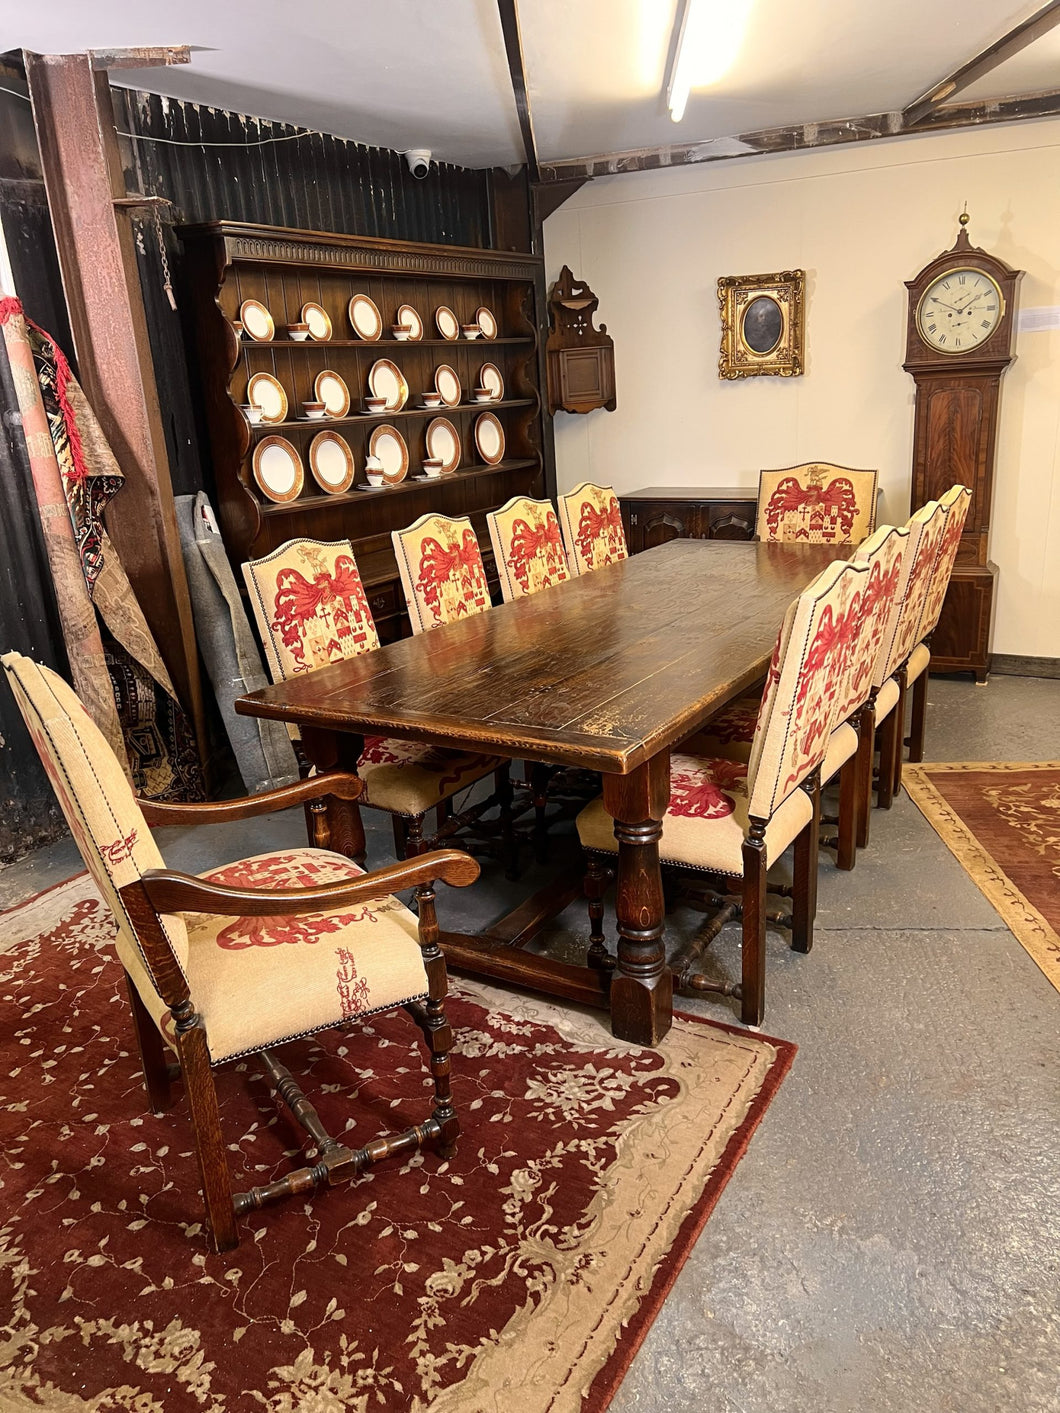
[602,672]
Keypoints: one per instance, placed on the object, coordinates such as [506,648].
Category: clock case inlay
[955,439]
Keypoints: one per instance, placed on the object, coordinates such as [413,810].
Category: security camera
[419,160]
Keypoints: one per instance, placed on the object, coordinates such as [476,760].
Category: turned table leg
[338,750]
[641,985]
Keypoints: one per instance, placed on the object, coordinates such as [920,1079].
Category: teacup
[251,413]
[298,331]
[432,399]
[315,410]
[432,466]
[375,404]
[470,331]
[483,395]
[375,478]
[401,331]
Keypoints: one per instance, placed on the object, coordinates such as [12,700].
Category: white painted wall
[859,220]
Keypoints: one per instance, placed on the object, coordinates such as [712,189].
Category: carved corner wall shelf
[581,358]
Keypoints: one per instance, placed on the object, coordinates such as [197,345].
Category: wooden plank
[481,957]
[513,46]
[82,175]
[519,927]
[143,57]
[1041,22]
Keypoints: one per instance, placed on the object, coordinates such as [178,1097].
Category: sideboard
[660,513]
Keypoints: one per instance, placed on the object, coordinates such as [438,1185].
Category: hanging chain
[167,283]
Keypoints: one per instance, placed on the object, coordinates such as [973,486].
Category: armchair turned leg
[414,842]
[594,886]
[436,1026]
[866,747]
[154,1052]
[206,1124]
[753,984]
[890,747]
[401,837]
[918,724]
[846,853]
[899,743]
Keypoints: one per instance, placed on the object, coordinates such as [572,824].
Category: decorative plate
[486,321]
[407,315]
[489,376]
[448,323]
[332,392]
[365,318]
[489,438]
[385,379]
[388,444]
[443,442]
[447,384]
[278,469]
[331,462]
[316,316]
[266,392]
[257,320]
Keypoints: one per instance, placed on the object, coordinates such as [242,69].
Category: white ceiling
[432,73]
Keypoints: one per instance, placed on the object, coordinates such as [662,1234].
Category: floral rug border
[1031,929]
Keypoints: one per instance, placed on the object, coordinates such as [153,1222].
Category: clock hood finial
[962,242]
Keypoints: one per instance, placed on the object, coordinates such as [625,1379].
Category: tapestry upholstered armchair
[816,504]
[591,521]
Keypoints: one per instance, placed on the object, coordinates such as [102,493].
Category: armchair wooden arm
[171,892]
[343,785]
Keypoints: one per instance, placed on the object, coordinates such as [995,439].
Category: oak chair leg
[437,1028]
[890,740]
[866,748]
[753,960]
[502,780]
[401,836]
[414,842]
[539,777]
[899,744]
[206,1124]
[849,803]
[595,885]
[155,1054]
[804,880]
[918,723]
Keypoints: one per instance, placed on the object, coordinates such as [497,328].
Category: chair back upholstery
[441,571]
[925,528]
[882,553]
[816,503]
[527,546]
[95,797]
[309,605]
[592,527]
[800,703]
[955,503]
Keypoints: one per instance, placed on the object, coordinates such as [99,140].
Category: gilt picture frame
[762,325]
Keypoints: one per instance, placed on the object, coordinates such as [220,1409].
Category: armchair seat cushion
[706,821]
[886,700]
[918,661]
[261,981]
[842,744]
[408,778]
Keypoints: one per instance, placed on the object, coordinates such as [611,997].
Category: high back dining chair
[527,546]
[735,818]
[899,637]
[592,527]
[816,503]
[248,956]
[311,609]
[441,571]
[955,503]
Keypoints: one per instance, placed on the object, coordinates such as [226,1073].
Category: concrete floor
[891,1240]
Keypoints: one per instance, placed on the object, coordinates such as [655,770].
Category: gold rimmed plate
[267,393]
[388,445]
[489,377]
[365,319]
[385,379]
[447,385]
[447,323]
[332,391]
[487,322]
[407,315]
[331,462]
[319,321]
[257,320]
[443,442]
[489,438]
[278,470]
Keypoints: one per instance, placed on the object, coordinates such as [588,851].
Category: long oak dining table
[606,672]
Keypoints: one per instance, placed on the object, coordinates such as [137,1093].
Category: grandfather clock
[961,328]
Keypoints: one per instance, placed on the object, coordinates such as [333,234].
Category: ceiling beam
[513,44]
[1041,22]
[804,136]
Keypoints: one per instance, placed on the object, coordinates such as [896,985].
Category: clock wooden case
[959,341]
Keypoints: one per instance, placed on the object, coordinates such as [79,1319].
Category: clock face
[959,311]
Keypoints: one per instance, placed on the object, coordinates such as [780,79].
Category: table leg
[338,750]
[641,985]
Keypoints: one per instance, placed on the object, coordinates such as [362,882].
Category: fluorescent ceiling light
[709,36]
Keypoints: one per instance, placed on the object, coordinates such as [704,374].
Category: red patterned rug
[522,1274]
